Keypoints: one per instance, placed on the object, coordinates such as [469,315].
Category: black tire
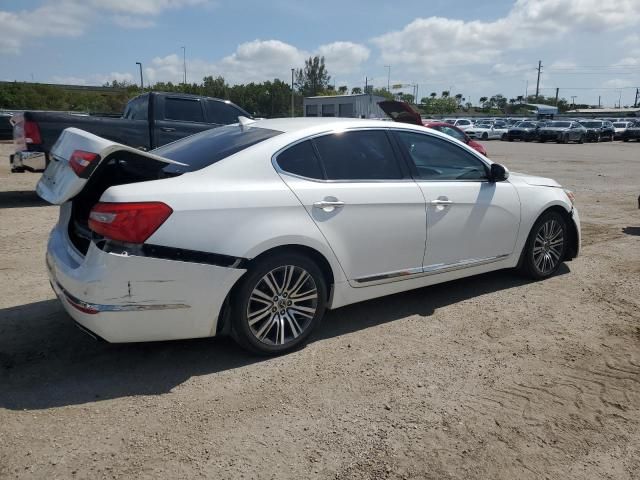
[485,136]
[528,264]
[565,139]
[581,139]
[510,139]
[598,139]
[504,137]
[240,304]
[625,139]
[542,140]
[611,138]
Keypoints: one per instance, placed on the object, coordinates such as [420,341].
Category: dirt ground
[488,377]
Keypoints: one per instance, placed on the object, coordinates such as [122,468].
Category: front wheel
[278,304]
[581,139]
[545,247]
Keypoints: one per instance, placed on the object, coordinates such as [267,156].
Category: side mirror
[498,173]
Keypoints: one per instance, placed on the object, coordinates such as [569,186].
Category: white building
[351,106]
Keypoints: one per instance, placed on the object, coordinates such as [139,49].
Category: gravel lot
[488,377]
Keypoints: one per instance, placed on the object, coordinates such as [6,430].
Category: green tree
[342,89]
[313,78]
[356,91]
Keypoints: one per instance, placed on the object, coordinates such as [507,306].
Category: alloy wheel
[282,305]
[548,246]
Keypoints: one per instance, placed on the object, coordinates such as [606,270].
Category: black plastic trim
[173,253]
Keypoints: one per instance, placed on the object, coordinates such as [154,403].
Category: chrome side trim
[92,308]
[429,270]
[398,275]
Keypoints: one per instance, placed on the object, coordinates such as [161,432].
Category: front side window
[358,155]
[183,109]
[438,159]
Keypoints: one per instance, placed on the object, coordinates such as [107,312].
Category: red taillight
[31,132]
[128,222]
[80,160]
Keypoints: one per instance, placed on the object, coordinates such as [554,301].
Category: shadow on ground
[21,199]
[45,361]
[631,231]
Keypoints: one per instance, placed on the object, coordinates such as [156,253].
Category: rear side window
[222,113]
[438,159]
[183,109]
[211,146]
[359,155]
[301,160]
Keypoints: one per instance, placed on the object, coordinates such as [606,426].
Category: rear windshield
[208,147]
[526,125]
[591,124]
[559,124]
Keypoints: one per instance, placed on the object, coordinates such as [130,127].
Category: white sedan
[256,229]
[488,132]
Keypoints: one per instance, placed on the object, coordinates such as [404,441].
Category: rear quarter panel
[238,207]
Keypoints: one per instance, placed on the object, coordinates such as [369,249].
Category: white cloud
[72,18]
[343,57]
[428,45]
[257,61]
[127,21]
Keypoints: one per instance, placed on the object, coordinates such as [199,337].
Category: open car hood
[401,112]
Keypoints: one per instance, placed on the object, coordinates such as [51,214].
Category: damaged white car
[256,229]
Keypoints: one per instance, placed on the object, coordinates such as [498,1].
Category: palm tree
[482,101]
[433,95]
[445,94]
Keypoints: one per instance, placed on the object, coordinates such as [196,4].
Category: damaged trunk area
[120,168]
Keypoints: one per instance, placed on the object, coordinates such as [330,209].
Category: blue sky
[589,48]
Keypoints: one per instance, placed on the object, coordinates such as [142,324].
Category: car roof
[312,125]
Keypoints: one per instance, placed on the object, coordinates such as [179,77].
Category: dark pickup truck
[149,121]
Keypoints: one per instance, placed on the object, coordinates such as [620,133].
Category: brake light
[80,160]
[128,222]
[31,132]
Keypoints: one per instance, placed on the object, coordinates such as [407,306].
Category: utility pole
[388,67]
[184,64]
[141,82]
[557,93]
[598,101]
[573,100]
[635,103]
[292,112]
[538,82]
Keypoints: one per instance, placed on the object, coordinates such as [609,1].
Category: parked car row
[580,131]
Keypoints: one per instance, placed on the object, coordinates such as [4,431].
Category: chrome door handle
[441,202]
[328,205]
[167,129]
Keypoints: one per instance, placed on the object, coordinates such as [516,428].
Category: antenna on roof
[245,122]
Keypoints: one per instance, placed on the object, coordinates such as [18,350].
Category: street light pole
[141,82]
[184,63]
[292,111]
[388,67]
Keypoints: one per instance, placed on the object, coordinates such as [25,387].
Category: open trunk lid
[60,182]
[401,112]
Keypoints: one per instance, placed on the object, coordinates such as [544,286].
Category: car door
[470,220]
[178,117]
[363,200]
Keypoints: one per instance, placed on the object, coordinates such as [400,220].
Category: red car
[403,112]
